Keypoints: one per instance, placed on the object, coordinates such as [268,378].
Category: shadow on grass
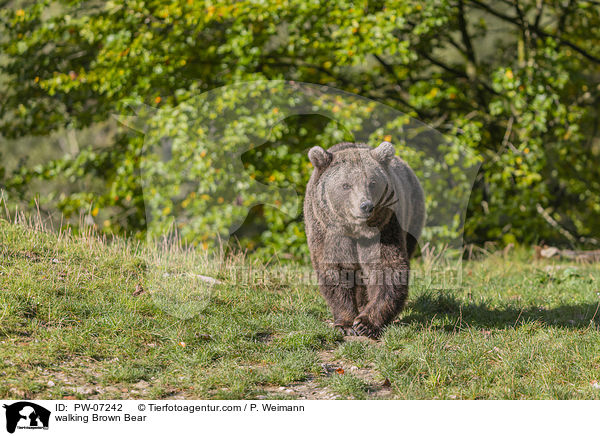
[424,308]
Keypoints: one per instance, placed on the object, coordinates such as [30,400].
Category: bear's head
[353,192]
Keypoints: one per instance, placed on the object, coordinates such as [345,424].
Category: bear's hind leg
[362,299]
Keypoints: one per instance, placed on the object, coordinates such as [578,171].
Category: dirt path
[79,378]
[315,389]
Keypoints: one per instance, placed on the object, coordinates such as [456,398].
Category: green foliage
[515,82]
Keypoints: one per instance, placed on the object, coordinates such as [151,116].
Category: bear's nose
[366,207]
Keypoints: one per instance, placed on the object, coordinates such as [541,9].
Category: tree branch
[456,72]
[462,24]
[390,70]
[539,5]
[537,30]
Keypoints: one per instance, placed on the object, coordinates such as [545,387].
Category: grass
[73,326]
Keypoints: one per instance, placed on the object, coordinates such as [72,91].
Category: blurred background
[517,82]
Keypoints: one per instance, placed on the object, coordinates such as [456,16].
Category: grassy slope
[70,327]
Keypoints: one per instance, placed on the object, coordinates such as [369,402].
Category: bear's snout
[367,207]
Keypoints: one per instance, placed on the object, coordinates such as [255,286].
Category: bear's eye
[346,186]
[373,182]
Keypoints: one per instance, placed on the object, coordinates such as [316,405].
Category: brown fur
[362,263]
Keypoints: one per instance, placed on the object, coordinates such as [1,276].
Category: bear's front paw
[345,329]
[365,328]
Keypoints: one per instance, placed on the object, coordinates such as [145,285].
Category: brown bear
[364,212]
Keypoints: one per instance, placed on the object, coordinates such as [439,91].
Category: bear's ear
[319,157]
[384,152]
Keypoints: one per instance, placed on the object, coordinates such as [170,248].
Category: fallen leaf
[340,371]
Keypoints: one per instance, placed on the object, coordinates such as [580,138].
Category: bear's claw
[364,329]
